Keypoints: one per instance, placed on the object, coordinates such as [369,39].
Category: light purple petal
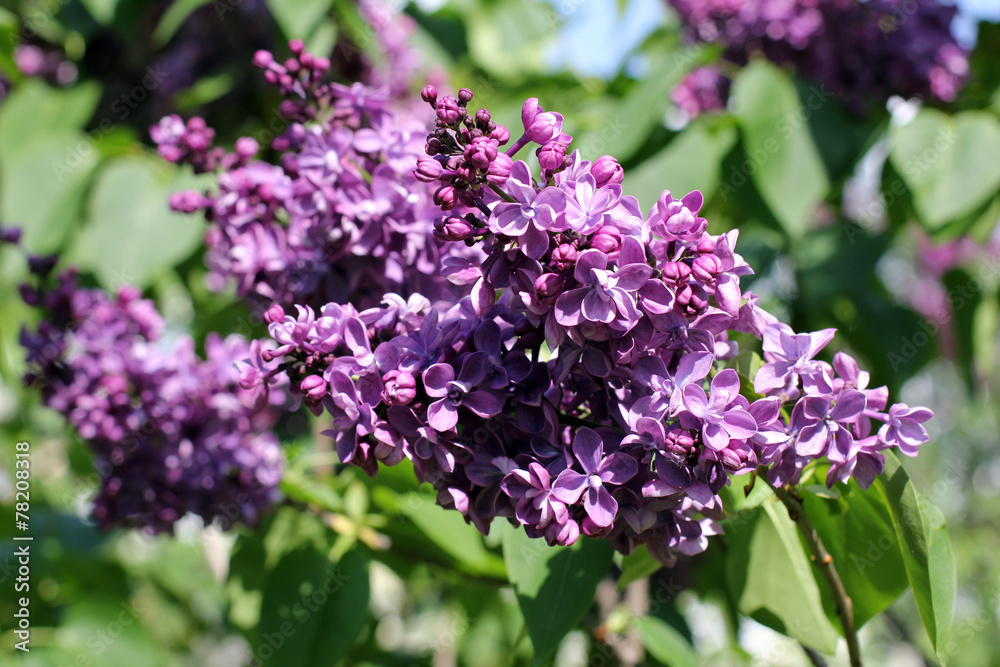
[569,306]
[483,403]
[436,379]
[600,506]
[588,449]
[442,416]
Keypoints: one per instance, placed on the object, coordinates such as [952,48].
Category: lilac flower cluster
[587,385]
[338,216]
[170,433]
[861,51]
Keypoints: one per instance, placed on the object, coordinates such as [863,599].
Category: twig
[814,657]
[824,561]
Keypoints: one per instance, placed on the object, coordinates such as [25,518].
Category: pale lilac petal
[442,416]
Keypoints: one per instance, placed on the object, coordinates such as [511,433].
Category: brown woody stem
[824,561]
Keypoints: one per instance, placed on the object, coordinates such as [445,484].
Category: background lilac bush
[583,367]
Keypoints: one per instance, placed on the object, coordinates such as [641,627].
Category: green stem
[824,561]
[503,195]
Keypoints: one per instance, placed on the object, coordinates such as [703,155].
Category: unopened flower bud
[705,268]
[313,387]
[448,110]
[499,170]
[483,118]
[296,46]
[564,257]
[606,169]
[453,228]
[445,197]
[679,443]
[607,239]
[274,314]
[429,94]
[263,59]
[548,285]
[246,147]
[501,134]
[400,388]
[464,96]
[540,126]
[676,272]
[552,154]
[428,170]
[481,152]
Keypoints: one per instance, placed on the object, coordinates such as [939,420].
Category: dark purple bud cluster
[464,151]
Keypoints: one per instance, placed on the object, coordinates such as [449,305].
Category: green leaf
[637,565]
[299,19]
[312,609]
[673,169]
[665,644]
[131,233]
[175,16]
[769,576]
[927,556]
[449,531]
[555,586]
[856,529]
[782,158]
[948,162]
[35,110]
[43,185]
[628,123]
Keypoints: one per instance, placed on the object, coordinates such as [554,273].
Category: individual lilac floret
[598,470]
[606,296]
[440,382]
[720,412]
[904,429]
[789,356]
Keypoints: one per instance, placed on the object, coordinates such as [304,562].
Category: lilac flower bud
[246,147]
[292,65]
[429,94]
[400,388]
[707,245]
[499,170]
[453,228]
[263,59]
[448,110]
[296,46]
[564,257]
[428,170]
[10,235]
[187,201]
[676,272]
[607,239]
[483,118]
[481,152]
[679,443]
[606,170]
[446,197]
[29,295]
[553,153]
[313,387]
[501,134]
[274,314]
[464,96]
[548,285]
[705,268]
[540,126]
[42,265]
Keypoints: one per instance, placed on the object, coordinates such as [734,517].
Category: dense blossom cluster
[589,383]
[170,433]
[860,51]
[339,216]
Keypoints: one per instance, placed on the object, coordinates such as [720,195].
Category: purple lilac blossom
[338,215]
[171,434]
[586,385]
[860,51]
